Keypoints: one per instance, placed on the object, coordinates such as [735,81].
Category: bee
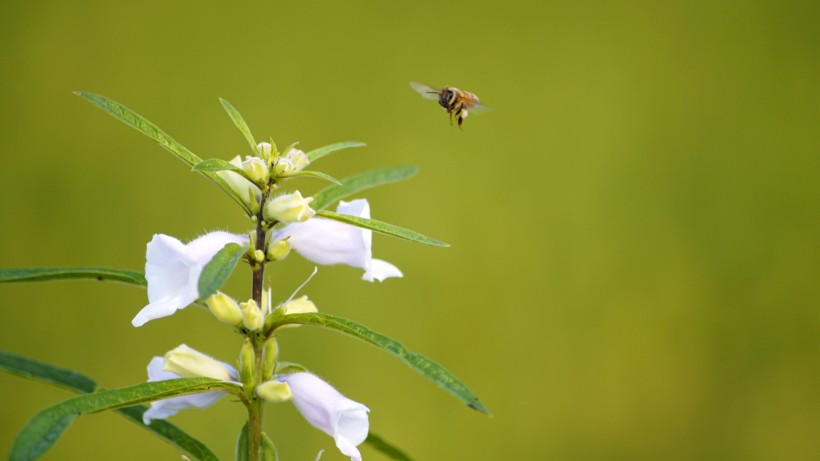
[456,102]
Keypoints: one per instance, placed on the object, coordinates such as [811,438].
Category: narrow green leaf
[217,271]
[34,369]
[43,274]
[267,450]
[242,444]
[43,429]
[316,174]
[141,124]
[387,449]
[75,381]
[240,123]
[382,228]
[429,369]
[360,182]
[316,154]
[195,449]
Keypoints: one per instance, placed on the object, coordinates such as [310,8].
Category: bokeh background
[634,264]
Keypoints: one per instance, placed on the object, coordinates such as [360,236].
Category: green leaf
[217,271]
[267,449]
[382,228]
[240,123]
[242,444]
[315,174]
[360,182]
[43,429]
[141,124]
[43,274]
[170,433]
[429,369]
[316,154]
[387,449]
[34,369]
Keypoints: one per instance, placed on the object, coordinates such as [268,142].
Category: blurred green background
[634,227]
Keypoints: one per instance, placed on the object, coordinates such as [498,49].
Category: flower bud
[257,169]
[289,208]
[189,363]
[247,365]
[270,354]
[245,190]
[283,167]
[225,308]
[259,256]
[264,149]
[274,391]
[299,306]
[279,250]
[252,316]
[298,159]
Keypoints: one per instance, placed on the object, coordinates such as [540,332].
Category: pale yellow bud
[274,391]
[266,302]
[259,256]
[189,363]
[257,169]
[298,159]
[264,149]
[279,250]
[289,208]
[299,306]
[283,167]
[252,316]
[225,308]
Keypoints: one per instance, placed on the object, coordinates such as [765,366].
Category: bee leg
[460,117]
[450,113]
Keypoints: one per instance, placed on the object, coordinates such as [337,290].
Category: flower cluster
[283,222]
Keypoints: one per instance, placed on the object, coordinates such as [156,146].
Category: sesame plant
[177,275]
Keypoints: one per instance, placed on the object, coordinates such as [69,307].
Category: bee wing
[478,108]
[426,91]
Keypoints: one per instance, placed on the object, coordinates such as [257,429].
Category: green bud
[270,354]
[225,308]
[247,366]
[274,391]
[279,250]
[252,316]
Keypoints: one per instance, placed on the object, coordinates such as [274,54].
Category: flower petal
[329,411]
[162,409]
[381,270]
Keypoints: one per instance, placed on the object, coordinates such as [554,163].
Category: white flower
[173,269]
[329,411]
[162,409]
[325,241]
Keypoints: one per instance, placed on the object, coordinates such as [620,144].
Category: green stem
[255,403]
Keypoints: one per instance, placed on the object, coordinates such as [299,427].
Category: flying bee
[456,102]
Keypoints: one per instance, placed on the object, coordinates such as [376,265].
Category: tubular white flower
[162,409]
[328,242]
[329,411]
[172,270]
